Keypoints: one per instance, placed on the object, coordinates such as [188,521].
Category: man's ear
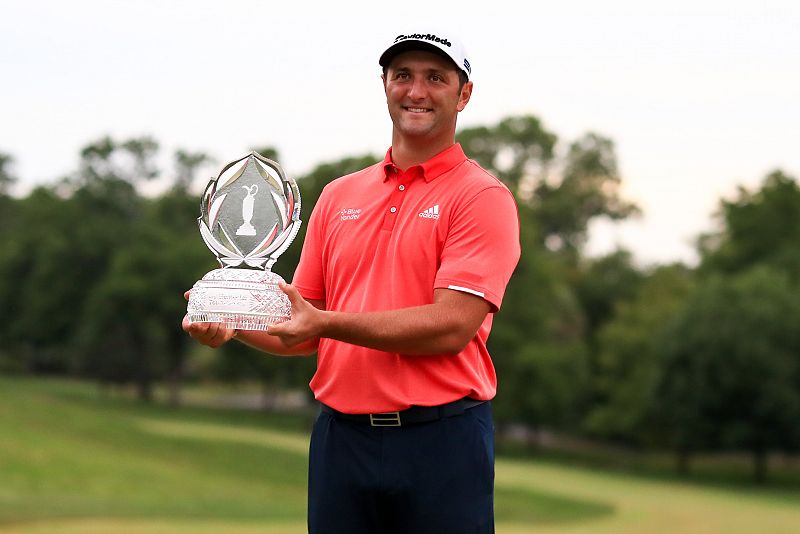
[463,98]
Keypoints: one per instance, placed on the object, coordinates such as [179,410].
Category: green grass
[725,470]
[75,461]
[62,455]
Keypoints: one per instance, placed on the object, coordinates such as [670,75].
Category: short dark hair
[462,79]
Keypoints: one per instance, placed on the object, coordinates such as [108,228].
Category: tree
[7,178]
[113,330]
[186,167]
[9,254]
[539,338]
[130,161]
[761,226]
[518,150]
[172,219]
[731,376]
[589,188]
[522,153]
[603,283]
[41,281]
[120,334]
[537,341]
[628,361]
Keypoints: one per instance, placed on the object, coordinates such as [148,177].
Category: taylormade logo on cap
[427,37]
[449,47]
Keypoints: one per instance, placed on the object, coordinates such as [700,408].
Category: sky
[699,97]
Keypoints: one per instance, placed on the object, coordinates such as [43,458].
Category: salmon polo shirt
[382,239]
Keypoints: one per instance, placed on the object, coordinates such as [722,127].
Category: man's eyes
[406,76]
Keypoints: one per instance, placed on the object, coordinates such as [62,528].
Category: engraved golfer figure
[247,211]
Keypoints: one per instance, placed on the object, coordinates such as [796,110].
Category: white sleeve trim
[467,290]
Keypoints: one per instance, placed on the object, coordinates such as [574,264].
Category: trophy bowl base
[244,299]
[237,321]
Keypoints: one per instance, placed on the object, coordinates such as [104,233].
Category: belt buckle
[384,419]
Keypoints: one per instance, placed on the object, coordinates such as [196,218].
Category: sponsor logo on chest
[350,214]
[430,213]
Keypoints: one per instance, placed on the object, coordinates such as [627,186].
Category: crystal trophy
[249,216]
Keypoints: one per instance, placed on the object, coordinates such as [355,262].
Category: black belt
[410,416]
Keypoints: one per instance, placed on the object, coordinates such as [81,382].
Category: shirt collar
[434,167]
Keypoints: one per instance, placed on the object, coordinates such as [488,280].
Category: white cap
[445,45]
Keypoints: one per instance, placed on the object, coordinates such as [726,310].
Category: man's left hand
[307,321]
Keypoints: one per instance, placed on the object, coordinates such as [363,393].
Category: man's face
[423,95]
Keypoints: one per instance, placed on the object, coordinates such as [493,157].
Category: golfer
[403,266]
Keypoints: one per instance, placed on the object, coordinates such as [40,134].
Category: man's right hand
[217,334]
[211,334]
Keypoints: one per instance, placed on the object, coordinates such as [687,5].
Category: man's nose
[417,89]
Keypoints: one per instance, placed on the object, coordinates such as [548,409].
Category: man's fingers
[276,329]
[212,334]
[196,330]
[283,332]
[219,335]
[294,296]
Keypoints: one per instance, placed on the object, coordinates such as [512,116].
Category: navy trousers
[435,477]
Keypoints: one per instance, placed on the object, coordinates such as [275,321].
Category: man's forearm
[418,330]
[443,327]
[274,345]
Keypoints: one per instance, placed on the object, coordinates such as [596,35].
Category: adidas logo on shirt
[430,213]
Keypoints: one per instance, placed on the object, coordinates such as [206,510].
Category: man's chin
[416,128]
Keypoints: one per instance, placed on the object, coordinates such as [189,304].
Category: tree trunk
[682,461]
[533,437]
[269,396]
[273,384]
[759,465]
[174,382]
[175,376]
[144,380]
[144,388]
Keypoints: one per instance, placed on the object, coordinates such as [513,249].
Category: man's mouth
[416,110]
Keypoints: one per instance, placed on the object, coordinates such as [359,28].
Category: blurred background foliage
[690,359]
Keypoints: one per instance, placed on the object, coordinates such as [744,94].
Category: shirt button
[393,209]
[402,188]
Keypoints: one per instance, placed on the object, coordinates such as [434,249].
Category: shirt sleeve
[482,246]
[309,276]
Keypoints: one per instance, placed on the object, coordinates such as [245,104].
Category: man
[402,269]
